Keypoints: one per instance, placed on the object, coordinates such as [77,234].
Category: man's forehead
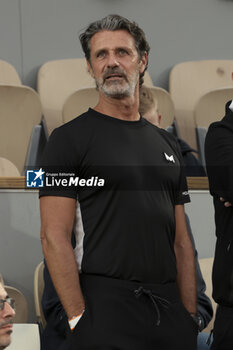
[112,37]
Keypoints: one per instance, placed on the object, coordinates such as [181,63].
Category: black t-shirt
[129,222]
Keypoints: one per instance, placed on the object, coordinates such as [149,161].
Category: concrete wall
[20,248]
[35,31]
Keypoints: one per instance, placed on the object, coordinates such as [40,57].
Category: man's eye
[101,54]
[123,52]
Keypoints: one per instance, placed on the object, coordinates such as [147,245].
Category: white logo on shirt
[169,158]
[185,193]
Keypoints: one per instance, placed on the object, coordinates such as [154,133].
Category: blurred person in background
[219,165]
[7,313]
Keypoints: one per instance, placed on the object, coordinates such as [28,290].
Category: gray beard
[117,90]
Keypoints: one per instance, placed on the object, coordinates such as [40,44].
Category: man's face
[6,317]
[115,64]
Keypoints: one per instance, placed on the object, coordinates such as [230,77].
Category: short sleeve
[59,160]
[182,195]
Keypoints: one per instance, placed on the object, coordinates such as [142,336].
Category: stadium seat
[208,109]
[25,336]
[147,79]
[188,81]
[20,304]
[206,265]
[79,102]
[8,74]
[20,112]
[7,168]
[57,80]
[38,292]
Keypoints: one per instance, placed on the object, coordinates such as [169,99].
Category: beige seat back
[38,292]
[165,106]
[57,80]
[211,106]
[20,111]
[188,81]
[25,336]
[20,304]
[206,265]
[8,74]
[7,168]
[147,80]
[79,102]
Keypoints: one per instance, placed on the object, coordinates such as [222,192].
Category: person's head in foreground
[148,106]
[7,313]
[117,52]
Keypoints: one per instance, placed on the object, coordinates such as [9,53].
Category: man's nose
[8,310]
[112,60]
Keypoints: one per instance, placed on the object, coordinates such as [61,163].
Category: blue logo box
[35,178]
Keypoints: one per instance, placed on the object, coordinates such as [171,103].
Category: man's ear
[143,63]
[89,68]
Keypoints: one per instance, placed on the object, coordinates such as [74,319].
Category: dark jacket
[219,163]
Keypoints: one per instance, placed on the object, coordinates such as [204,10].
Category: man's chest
[131,160]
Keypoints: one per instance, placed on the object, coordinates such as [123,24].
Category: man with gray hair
[131,284]
[7,312]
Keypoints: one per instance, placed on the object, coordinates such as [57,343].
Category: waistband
[98,283]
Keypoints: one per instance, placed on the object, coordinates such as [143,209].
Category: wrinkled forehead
[110,39]
[3,293]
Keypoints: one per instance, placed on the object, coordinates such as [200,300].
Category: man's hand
[226,203]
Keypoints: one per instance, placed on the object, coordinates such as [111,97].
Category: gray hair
[112,23]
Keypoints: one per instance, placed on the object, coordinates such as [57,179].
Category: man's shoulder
[219,129]
[168,137]
[77,128]
[78,121]
[162,132]
[225,124]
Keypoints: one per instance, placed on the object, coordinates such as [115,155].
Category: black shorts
[223,329]
[124,315]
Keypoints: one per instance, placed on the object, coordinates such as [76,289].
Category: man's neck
[125,108]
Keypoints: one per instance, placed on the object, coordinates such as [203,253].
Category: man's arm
[204,306]
[186,275]
[57,219]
